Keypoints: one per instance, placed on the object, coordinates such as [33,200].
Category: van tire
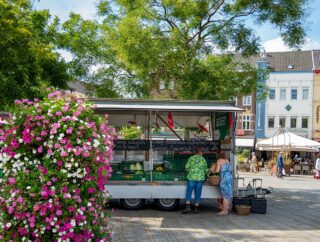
[132,203]
[167,204]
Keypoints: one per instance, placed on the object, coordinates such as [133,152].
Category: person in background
[226,182]
[253,164]
[280,165]
[197,169]
[317,166]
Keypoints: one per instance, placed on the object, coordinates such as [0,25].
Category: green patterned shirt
[197,168]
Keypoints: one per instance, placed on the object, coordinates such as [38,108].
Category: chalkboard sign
[131,145]
[184,145]
[166,145]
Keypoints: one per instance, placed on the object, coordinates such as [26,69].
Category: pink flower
[56,146]
[71,209]
[20,199]
[59,212]
[11,210]
[17,102]
[91,190]
[59,113]
[69,130]
[36,208]
[63,153]
[11,180]
[86,154]
[40,149]
[43,133]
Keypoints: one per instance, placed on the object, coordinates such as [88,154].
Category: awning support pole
[169,126]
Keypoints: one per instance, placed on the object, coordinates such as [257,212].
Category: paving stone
[293,215]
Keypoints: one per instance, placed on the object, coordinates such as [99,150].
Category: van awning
[164,105]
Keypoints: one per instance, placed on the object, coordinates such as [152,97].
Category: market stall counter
[149,167]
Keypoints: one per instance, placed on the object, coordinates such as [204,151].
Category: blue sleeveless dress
[226,181]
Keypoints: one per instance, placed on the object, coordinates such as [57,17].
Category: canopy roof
[164,105]
[288,141]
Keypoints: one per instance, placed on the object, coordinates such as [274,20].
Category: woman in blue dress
[226,182]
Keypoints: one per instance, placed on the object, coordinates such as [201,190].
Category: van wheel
[167,204]
[132,203]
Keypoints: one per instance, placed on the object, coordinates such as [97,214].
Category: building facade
[316,96]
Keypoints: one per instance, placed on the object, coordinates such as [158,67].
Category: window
[246,122]
[294,93]
[271,122]
[272,94]
[282,122]
[305,93]
[304,123]
[283,93]
[293,122]
[246,101]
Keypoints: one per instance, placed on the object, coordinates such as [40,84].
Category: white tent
[288,141]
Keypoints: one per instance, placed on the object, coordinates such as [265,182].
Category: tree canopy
[187,42]
[29,61]
[135,46]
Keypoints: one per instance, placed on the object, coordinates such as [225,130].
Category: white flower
[61,135]
[54,230]
[89,204]
[51,137]
[26,158]
[53,188]
[74,181]
[76,164]
[50,200]
[52,223]
[73,222]
[55,219]
[8,225]
[34,151]
[28,187]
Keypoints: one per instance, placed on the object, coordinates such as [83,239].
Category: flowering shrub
[55,158]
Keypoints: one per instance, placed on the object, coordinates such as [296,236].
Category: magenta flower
[11,180]
[40,149]
[71,209]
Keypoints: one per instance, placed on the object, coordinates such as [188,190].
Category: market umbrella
[288,141]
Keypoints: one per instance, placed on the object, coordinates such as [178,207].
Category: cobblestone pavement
[293,215]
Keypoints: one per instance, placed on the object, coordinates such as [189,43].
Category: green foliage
[131,132]
[243,155]
[28,60]
[162,41]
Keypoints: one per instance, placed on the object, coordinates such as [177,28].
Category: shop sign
[221,125]
[166,145]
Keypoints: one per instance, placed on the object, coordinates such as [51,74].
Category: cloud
[277,44]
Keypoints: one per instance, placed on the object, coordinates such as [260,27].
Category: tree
[153,41]
[29,61]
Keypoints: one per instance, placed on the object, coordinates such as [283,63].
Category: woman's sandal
[222,213]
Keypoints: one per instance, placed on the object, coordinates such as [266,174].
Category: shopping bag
[283,172]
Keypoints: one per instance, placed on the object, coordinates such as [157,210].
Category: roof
[286,61]
[298,60]
[316,59]
[77,86]
[164,105]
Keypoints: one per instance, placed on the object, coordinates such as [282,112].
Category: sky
[270,37]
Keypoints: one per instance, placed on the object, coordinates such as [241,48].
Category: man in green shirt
[197,170]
